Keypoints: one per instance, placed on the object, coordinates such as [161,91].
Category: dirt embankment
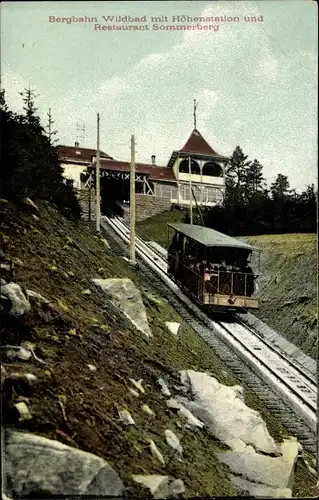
[78,327]
[288,287]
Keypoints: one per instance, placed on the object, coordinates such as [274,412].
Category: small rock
[173,327]
[138,385]
[23,354]
[29,203]
[182,410]
[165,390]
[126,417]
[133,392]
[105,242]
[20,303]
[5,267]
[148,410]
[23,410]
[176,487]
[36,218]
[173,441]
[155,452]
[37,296]
[92,368]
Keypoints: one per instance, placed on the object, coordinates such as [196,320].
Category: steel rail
[291,383]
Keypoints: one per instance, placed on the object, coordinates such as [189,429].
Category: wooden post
[132,203]
[97,179]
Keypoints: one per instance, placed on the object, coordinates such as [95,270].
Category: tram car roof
[209,237]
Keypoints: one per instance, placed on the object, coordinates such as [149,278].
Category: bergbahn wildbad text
[153,19]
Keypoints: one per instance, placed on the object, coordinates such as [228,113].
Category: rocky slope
[88,366]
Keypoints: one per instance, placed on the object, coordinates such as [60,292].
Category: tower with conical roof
[199,164]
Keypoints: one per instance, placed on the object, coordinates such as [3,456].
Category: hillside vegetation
[288,286]
[288,282]
[58,258]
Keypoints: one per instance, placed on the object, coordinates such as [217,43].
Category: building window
[184,167]
[212,169]
[165,191]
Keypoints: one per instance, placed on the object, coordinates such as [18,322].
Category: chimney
[76,144]
[153,159]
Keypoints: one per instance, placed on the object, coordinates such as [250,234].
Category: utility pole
[97,178]
[190,190]
[132,203]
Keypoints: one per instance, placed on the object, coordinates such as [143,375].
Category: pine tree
[280,188]
[49,129]
[236,168]
[28,97]
[30,162]
[254,180]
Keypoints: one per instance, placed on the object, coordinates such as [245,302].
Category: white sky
[255,83]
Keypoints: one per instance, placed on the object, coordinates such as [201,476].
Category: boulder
[277,472]
[160,486]
[38,466]
[155,483]
[223,411]
[20,303]
[124,295]
[256,490]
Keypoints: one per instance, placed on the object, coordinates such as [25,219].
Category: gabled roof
[81,155]
[154,172]
[197,144]
[209,237]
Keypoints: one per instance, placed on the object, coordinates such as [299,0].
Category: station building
[195,172]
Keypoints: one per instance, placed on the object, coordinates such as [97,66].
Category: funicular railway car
[215,269]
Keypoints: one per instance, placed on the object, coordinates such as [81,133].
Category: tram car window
[214,268]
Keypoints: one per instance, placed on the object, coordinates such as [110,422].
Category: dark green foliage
[30,166]
[250,209]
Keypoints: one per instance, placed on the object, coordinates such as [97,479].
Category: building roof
[209,237]
[197,144]
[154,172]
[81,155]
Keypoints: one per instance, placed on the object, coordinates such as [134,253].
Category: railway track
[289,392]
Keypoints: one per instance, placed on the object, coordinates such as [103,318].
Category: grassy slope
[59,258]
[155,228]
[289,286]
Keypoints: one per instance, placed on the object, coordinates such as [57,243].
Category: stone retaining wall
[148,206]
[87,202]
